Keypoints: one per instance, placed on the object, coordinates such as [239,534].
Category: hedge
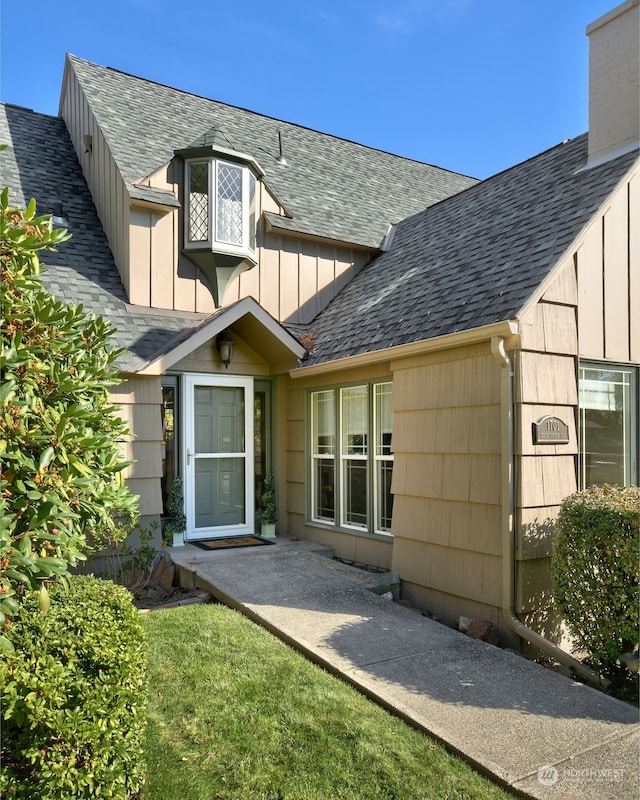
[595,564]
[73,695]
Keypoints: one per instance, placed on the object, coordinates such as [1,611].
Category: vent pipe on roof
[58,216]
[385,244]
[281,161]
[614,83]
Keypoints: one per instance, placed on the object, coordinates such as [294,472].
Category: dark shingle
[41,163]
[332,187]
[472,260]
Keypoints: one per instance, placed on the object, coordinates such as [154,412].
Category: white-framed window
[351,458]
[220,206]
[608,424]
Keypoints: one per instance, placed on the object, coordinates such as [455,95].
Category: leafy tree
[61,473]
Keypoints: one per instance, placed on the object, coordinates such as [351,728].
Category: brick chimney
[614,83]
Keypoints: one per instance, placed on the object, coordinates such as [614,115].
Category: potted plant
[268,515]
[176,524]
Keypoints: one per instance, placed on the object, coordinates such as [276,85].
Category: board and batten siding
[296,278]
[608,276]
[446,482]
[293,279]
[108,190]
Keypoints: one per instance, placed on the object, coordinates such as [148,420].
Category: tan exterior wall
[585,313]
[546,384]
[205,359]
[296,278]
[608,277]
[139,401]
[105,183]
[446,482]
[154,250]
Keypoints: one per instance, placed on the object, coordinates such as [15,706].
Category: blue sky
[471,85]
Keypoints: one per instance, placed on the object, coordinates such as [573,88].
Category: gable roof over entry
[266,336]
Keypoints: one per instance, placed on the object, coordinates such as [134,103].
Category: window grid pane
[383,457]
[384,498]
[355,420]
[199,202]
[323,423]
[323,437]
[382,400]
[252,212]
[229,204]
[355,492]
[324,489]
[605,426]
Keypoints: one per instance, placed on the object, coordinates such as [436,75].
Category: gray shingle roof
[332,187]
[41,163]
[472,260]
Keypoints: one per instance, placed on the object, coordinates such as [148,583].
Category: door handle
[188,456]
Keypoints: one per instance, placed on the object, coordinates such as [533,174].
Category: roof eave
[458,339]
[271,226]
[575,244]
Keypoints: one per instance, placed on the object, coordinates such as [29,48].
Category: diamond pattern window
[221,207]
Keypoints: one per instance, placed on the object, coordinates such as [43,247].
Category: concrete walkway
[531,729]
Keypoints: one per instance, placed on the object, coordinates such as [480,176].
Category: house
[428,364]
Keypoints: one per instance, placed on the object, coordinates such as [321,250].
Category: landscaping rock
[464,623]
[162,562]
[483,630]
[165,581]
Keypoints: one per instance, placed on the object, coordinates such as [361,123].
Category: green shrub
[73,695]
[59,434]
[595,574]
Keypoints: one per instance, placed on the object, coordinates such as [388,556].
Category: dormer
[220,210]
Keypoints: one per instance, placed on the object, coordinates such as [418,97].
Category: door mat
[231,541]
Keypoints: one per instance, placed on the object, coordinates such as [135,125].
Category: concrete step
[378,582]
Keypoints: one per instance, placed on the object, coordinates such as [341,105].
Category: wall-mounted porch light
[225,345]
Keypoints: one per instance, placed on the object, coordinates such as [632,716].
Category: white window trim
[212,242]
[634,416]
[340,460]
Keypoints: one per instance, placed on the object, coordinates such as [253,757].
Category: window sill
[379,537]
[240,253]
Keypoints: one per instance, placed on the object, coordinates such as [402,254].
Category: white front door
[218,491]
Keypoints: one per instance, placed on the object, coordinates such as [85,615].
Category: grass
[235,714]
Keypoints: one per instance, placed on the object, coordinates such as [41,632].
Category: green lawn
[236,714]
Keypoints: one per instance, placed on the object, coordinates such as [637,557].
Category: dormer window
[220,212]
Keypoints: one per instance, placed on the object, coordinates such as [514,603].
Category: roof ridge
[491,178]
[273,119]
[30,110]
